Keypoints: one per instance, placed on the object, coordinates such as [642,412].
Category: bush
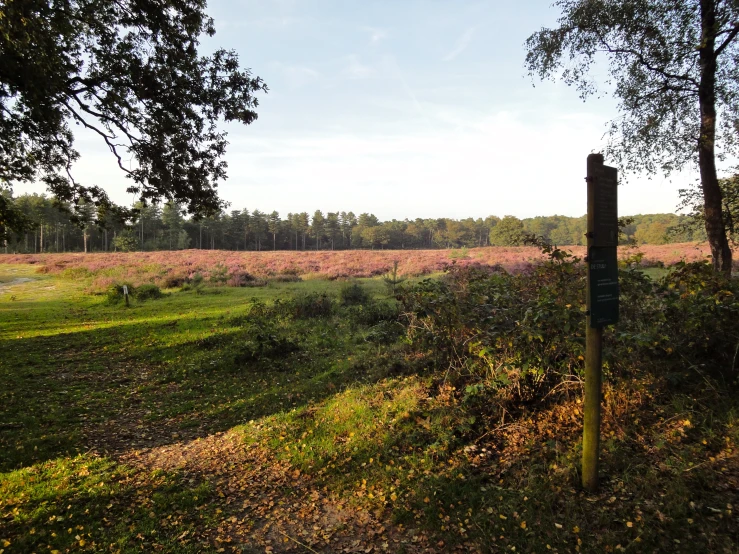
[114,294]
[147,292]
[244,279]
[385,332]
[518,334]
[174,281]
[523,335]
[353,294]
[373,313]
[286,278]
[306,306]
[141,293]
[219,275]
[262,335]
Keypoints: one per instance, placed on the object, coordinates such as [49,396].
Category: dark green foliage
[115,293]
[219,275]
[130,72]
[673,64]
[372,312]
[127,241]
[692,199]
[385,332]
[523,334]
[488,325]
[309,305]
[508,232]
[147,292]
[264,338]
[164,228]
[141,293]
[353,294]
[393,280]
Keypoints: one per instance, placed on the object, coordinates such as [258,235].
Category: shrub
[522,335]
[147,292]
[173,281]
[701,311]
[286,278]
[306,306]
[373,312]
[517,334]
[244,279]
[353,294]
[219,275]
[114,294]
[385,332]
[262,334]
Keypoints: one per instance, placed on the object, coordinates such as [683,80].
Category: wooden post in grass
[602,301]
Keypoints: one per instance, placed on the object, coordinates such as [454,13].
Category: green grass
[99,399]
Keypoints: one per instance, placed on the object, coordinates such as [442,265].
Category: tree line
[50,226]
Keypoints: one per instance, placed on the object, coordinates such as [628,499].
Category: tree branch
[732,36]
[642,61]
[107,138]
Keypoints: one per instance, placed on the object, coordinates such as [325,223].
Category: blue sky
[409,108]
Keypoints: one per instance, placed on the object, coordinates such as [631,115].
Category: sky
[404,109]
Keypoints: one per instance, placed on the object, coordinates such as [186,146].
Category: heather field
[173,268]
[309,411]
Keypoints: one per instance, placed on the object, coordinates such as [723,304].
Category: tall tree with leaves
[273,223]
[130,72]
[318,227]
[675,66]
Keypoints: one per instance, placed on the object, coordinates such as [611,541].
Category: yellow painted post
[593,354]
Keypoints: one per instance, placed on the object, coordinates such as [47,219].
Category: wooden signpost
[602,301]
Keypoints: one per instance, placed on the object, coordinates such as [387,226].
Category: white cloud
[494,163]
[462,43]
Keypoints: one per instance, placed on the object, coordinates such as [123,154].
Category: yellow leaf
[575,529]
[523,525]
[629,524]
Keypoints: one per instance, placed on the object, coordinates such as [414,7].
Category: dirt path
[268,506]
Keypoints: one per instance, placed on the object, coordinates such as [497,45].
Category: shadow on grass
[153,381]
[87,502]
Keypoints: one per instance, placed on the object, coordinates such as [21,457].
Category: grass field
[179,424]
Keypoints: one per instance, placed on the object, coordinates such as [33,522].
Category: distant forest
[50,229]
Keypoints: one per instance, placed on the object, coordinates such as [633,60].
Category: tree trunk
[712,198]
[84,239]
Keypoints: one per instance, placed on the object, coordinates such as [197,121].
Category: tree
[130,72]
[173,222]
[318,227]
[333,225]
[674,64]
[692,199]
[508,232]
[273,223]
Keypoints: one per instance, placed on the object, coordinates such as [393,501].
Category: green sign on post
[602,301]
[603,277]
